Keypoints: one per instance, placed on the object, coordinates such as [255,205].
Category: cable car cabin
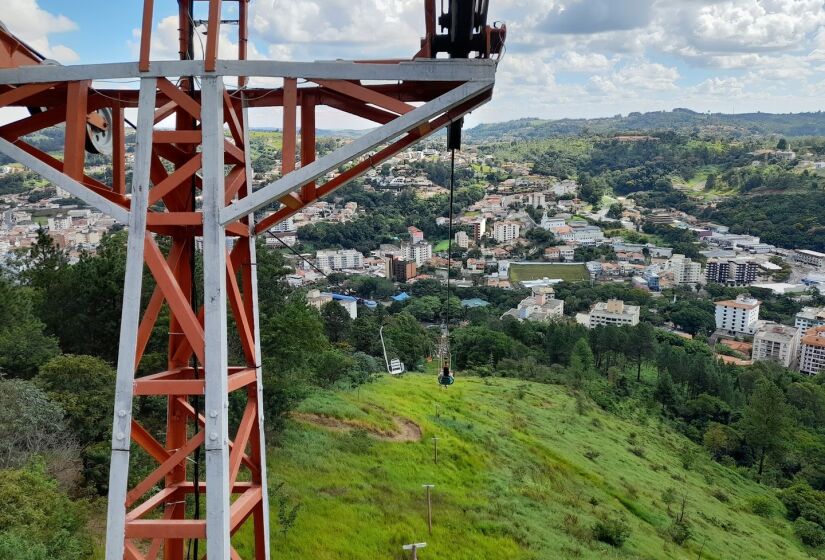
[445,374]
[397,367]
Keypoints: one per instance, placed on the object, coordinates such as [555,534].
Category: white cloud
[340,28]
[573,61]
[634,79]
[34,25]
[754,25]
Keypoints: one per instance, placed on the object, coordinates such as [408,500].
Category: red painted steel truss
[155,519]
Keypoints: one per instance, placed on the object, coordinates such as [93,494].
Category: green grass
[568,272]
[524,473]
[442,245]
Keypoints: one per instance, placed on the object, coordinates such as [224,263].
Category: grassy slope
[568,272]
[513,481]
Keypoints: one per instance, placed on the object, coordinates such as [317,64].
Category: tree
[482,346]
[582,364]
[782,144]
[765,423]
[337,322]
[31,424]
[84,387]
[39,265]
[426,308]
[710,182]
[38,521]
[292,335]
[642,345]
[615,211]
[24,346]
[407,339]
[665,391]
[87,320]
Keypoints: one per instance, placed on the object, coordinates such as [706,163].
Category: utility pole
[429,488]
[414,548]
[435,450]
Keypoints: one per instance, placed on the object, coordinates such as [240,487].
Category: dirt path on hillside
[405,430]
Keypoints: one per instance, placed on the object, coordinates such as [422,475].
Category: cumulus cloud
[34,25]
[340,28]
[634,79]
[596,16]
[573,61]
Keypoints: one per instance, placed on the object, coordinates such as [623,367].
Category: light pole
[435,450]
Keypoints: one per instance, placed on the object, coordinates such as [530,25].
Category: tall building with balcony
[684,270]
[419,252]
[812,359]
[733,272]
[739,316]
[506,231]
[776,343]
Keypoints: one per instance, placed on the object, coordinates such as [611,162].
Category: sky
[564,58]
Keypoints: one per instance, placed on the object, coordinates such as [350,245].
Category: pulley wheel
[99,140]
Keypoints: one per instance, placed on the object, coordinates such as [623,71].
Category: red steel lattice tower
[191,193]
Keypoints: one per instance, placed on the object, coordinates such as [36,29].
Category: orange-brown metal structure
[156,518]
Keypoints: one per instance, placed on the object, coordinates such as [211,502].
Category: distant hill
[790,125]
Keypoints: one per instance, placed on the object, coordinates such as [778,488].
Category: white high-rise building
[506,231]
[462,239]
[738,316]
[418,252]
[776,343]
[684,270]
[812,360]
[339,260]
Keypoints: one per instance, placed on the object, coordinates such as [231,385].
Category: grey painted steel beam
[215,330]
[414,70]
[295,180]
[65,182]
[256,325]
[130,318]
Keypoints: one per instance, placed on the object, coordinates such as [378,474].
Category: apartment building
[776,343]
[812,258]
[734,272]
[399,269]
[506,231]
[462,239]
[419,252]
[329,259]
[809,318]
[739,316]
[812,360]
[613,312]
[416,235]
[684,270]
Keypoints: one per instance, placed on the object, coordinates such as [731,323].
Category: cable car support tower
[191,187]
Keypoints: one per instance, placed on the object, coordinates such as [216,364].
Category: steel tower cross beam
[192,187]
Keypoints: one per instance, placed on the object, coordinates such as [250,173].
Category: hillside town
[523,231]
